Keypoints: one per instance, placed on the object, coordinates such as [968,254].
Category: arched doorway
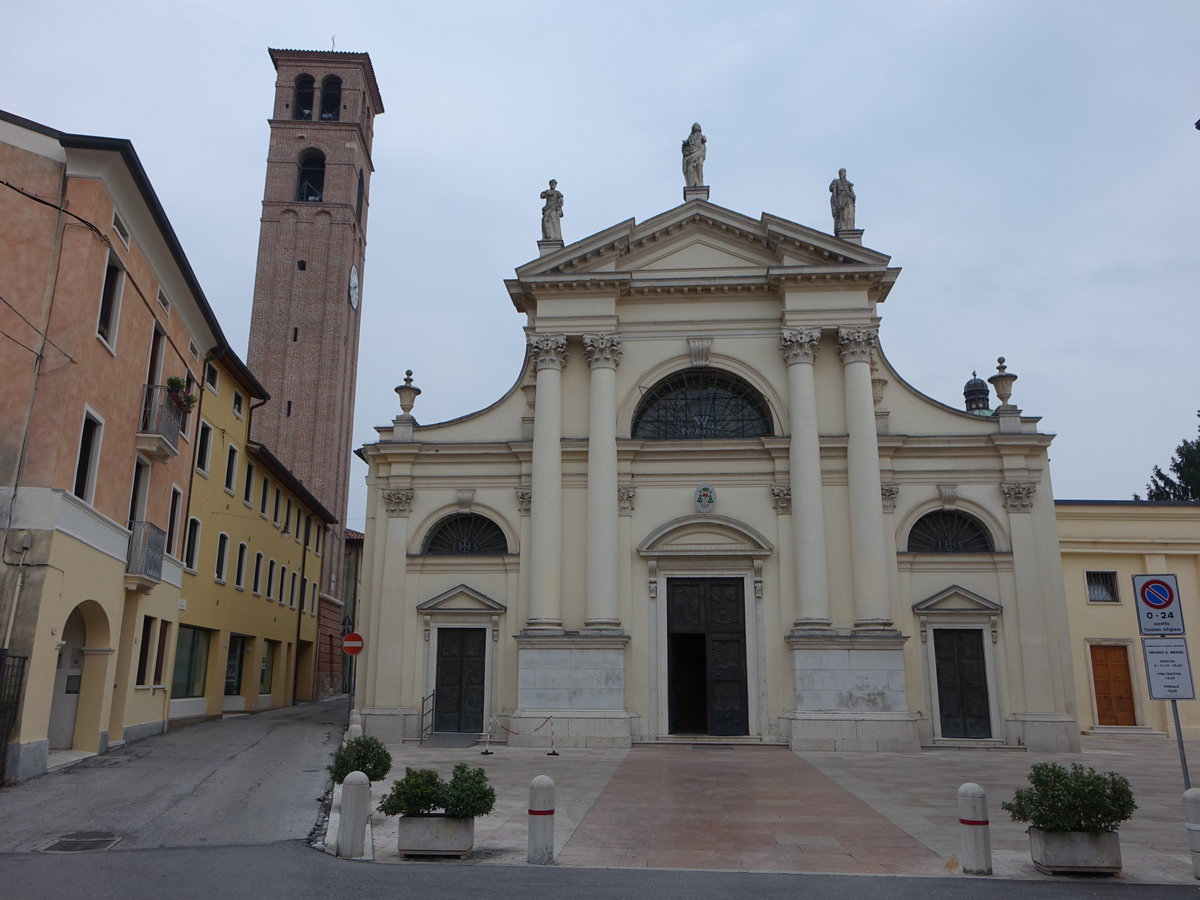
[80,677]
[68,683]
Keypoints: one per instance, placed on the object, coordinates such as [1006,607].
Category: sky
[1031,166]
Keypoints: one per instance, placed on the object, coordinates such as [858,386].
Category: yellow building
[1104,544]
[252,562]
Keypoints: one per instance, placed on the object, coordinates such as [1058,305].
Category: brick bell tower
[305,320]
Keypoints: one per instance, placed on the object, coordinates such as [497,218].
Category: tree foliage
[1078,799]
[1184,481]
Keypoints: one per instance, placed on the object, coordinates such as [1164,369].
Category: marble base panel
[1046,733]
[853,731]
[25,761]
[603,729]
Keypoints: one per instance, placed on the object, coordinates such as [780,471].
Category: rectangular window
[120,229]
[240,572]
[298,519]
[144,649]
[303,593]
[292,592]
[312,605]
[160,659]
[282,585]
[248,487]
[89,453]
[1102,587]
[203,447]
[185,417]
[173,520]
[268,667]
[191,663]
[239,404]
[287,516]
[275,515]
[231,469]
[210,376]
[262,501]
[194,351]
[191,544]
[110,302]
[271,580]
[317,548]
[222,556]
[164,302]
[258,573]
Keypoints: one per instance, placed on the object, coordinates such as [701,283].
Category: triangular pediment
[702,237]
[956,599]
[461,599]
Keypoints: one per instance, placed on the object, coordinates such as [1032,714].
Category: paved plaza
[748,807]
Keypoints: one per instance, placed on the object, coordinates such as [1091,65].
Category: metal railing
[12,683]
[161,414]
[427,715]
[147,544]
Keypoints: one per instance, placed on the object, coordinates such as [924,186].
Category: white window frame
[220,569]
[204,448]
[191,547]
[120,228]
[114,315]
[93,464]
[231,470]
[239,573]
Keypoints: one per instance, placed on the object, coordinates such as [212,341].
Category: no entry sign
[1158,607]
[352,643]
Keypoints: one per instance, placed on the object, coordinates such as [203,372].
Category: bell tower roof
[325,58]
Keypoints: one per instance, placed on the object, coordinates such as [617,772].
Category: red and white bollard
[552,752]
[541,821]
[1191,818]
[975,849]
[487,742]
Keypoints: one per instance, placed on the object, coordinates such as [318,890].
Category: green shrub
[469,794]
[364,754]
[418,793]
[1080,799]
[422,791]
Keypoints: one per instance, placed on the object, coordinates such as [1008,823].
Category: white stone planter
[1068,852]
[436,835]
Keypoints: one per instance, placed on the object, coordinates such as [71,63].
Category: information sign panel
[1158,607]
[1168,670]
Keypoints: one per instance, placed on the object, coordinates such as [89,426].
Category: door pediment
[461,599]
[956,599]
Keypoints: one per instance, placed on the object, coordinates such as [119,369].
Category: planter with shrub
[421,793]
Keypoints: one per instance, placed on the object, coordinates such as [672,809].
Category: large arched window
[311,185]
[302,105]
[701,403]
[465,534]
[331,98]
[949,531]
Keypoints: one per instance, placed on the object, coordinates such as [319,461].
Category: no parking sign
[1158,608]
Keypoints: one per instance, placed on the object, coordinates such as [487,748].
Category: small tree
[1185,483]
[364,754]
[1075,799]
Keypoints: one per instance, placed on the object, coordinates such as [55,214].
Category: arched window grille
[311,185]
[702,403]
[302,105]
[949,531]
[465,534]
[331,98]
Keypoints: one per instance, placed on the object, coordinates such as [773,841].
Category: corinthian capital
[603,350]
[1018,495]
[549,351]
[399,501]
[800,346]
[857,342]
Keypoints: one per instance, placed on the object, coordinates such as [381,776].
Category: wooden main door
[458,703]
[706,656]
[1114,685]
[962,683]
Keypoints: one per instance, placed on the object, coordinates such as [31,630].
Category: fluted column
[545,550]
[603,353]
[871,608]
[809,572]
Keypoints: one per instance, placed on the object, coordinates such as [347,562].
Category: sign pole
[1187,781]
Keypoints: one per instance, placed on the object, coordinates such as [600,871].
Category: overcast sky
[1032,167]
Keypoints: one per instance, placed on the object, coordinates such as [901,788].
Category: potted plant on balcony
[177,391]
[416,799]
[1073,816]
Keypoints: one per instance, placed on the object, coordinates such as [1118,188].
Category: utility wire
[46,338]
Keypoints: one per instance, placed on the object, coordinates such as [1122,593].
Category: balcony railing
[147,544]
[158,430]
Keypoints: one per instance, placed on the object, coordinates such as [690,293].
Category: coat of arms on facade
[706,498]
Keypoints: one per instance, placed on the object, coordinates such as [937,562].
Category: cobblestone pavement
[765,808]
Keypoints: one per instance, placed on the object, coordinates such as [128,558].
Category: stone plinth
[699,192]
[850,693]
[547,247]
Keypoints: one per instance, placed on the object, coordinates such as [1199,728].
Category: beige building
[1104,544]
[709,506]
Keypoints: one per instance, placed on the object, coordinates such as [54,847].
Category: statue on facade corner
[552,212]
[841,202]
[693,157]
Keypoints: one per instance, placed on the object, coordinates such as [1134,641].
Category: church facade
[710,507]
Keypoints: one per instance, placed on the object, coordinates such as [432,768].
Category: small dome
[977,396]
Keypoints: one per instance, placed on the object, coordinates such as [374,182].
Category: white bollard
[541,821]
[353,731]
[356,804]
[1191,816]
[976,840]
[355,719]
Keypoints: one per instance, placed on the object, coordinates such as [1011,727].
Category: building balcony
[158,430]
[143,568]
